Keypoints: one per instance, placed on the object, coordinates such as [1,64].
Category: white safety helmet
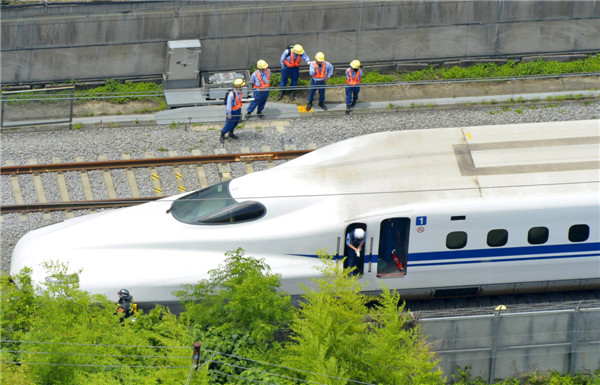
[359,233]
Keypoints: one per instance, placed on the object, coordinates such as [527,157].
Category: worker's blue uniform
[290,67]
[261,90]
[319,72]
[234,111]
[352,257]
[353,78]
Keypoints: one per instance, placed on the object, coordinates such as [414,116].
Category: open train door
[393,247]
[350,259]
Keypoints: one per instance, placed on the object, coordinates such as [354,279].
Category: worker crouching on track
[261,80]
[290,68]
[321,71]
[234,110]
[353,77]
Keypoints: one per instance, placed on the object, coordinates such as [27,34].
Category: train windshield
[214,205]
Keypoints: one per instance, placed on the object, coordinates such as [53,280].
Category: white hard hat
[359,233]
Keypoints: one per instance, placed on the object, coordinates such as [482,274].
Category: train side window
[579,233]
[456,240]
[537,235]
[497,238]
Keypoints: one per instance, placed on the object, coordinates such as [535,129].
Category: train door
[393,247]
[351,260]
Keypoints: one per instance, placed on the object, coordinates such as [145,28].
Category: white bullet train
[447,212]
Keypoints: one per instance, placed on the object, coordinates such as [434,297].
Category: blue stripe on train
[562,256]
[517,252]
[504,252]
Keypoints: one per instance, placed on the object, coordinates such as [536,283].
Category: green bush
[485,70]
[120,93]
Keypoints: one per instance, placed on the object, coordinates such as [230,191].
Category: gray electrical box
[182,68]
[219,83]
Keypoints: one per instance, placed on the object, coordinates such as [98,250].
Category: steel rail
[75,205]
[133,163]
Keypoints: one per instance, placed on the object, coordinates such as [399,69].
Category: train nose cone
[25,255]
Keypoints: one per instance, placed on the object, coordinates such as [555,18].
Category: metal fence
[37,107]
[501,345]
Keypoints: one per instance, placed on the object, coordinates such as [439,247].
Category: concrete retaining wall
[128,39]
[506,345]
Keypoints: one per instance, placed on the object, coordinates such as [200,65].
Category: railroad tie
[224,168]
[131,181]
[178,174]
[158,191]
[200,171]
[269,161]
[62,187]
[108,181]
[14,182]
[85,183]
[39,189]
[248,163]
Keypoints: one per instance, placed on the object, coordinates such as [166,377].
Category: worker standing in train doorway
[355,239]
[353,78]
[290,68]
[321,71]
[234,110]
[261,80]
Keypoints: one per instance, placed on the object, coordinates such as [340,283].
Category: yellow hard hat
[239,82]
[355,64]
[320,56]
[261,64]
[298,50]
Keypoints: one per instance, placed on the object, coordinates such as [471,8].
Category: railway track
[166,176]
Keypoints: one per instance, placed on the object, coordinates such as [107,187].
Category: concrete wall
[504,345]
[128,39]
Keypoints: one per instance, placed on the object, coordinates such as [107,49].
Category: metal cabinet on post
[182,69]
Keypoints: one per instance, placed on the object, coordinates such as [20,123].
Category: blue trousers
[352,260]
[314,85]
[231,124]
[260,99]
[352,94]
[287,72]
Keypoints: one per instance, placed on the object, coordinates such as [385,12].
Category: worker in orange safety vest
[353,78]
[320,71]
[261,80]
